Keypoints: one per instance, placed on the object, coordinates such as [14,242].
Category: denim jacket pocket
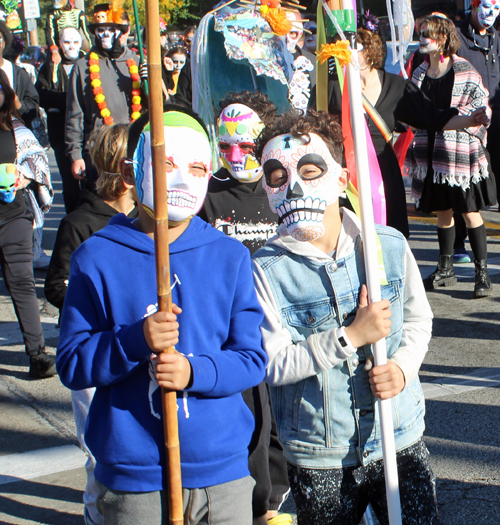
[310,318]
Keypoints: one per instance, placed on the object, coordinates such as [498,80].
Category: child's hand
[173,371]
[387,380]
[161,330]
[372,322]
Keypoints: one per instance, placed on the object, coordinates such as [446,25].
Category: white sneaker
[42,262]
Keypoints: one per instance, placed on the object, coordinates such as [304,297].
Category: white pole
[372,274]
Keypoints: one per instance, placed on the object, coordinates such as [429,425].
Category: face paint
[8,182]
[487,12]
[301,180]
[293,37]
[189,166]
[70,42]
[427,44]
[107,36]
[310,38]
[237,129]
[179,60]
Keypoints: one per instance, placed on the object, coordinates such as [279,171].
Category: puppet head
[188,158]
[301,179]
[237,129]
[293,37]
[8,182]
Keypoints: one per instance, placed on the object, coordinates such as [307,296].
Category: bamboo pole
[372,274]
[169,398]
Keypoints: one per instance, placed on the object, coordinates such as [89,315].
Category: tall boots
[477,239]
[483,286]
[444,275]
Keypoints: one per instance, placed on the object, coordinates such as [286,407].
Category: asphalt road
[42,477]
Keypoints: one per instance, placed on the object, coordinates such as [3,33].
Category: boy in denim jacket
[318,331]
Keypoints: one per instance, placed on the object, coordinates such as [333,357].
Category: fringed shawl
[32,163]
[458,158]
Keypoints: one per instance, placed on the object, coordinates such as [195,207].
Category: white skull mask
[107,36]
[70,42]
[487,12]
[189,166]
[237,129]
[301,180]
[293,37]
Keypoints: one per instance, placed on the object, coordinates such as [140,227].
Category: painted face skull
[293,37]
[107,36]
[70,42]
[8,182]
[238,128]
[179,61]
[487,12]
[301,180]
[189,166]
[427,44]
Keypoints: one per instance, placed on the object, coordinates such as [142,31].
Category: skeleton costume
[65,15]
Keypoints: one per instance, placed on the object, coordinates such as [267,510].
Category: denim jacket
[325,412]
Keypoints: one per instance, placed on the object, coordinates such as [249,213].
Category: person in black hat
[100,89]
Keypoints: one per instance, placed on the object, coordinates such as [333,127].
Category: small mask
[487,12]
[8,182]
[70,42]
[107,35]
[301,180]
[293,37]
[189,166]
[237,129]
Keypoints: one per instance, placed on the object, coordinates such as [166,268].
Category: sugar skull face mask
[188,159]
[8,182]
[238,128]
[70,42]
[487,12]
[301,180]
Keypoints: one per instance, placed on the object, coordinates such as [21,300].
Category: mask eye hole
[246,147]
[275,173]
[311,166]
[224,146]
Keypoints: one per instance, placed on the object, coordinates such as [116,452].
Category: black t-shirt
[240,210]
[8,156]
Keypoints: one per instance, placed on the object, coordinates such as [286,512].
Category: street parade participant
[237,205]
[20,154]
[110,329]
[52,86]
[318,331]
[104,88]
[108,145]
[450,170]
[64,14]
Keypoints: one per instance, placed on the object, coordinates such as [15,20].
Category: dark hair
[6,33]
[439,28]
[8,109]
[188,30]
[298,124]
[373,47]
[137,127]
[177,50]
[257,101]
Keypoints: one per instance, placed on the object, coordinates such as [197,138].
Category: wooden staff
[169,398]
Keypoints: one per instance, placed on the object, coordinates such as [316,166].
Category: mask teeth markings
[180,199]
[308,215]
[321,205]
[302,215]
[293,205]
[287,206]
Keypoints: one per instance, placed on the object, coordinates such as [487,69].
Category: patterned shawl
[458,157]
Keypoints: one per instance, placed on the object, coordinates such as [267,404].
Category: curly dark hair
[442,29]
[373,47]
[257,101]
[298,124]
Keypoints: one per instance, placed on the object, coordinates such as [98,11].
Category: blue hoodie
[112,287]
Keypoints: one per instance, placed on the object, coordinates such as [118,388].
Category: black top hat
[110,23]
[100,7]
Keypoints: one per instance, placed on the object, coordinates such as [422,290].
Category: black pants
[71,186]
[267,465]
[16,258]
[493,147]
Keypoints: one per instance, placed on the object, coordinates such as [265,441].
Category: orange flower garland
[95,82]
[340,50]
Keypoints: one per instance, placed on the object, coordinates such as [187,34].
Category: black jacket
[27,94]
[91,216]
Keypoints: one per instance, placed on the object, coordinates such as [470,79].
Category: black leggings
[16,258]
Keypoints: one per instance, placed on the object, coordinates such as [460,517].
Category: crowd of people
[271,321]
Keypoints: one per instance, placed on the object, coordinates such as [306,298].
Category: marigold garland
[339,50]
[99,97]
[276,17]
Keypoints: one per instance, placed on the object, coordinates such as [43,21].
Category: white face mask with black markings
[301,181]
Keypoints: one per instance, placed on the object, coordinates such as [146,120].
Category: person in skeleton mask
[52,85]
[319,328]
[64,15]
[104,88]
[480,45]
[217,356]
[237,205]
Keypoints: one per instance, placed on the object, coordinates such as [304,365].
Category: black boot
[444,275]
[42,365]
[483,284]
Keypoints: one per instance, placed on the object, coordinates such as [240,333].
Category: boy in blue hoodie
[112,339]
